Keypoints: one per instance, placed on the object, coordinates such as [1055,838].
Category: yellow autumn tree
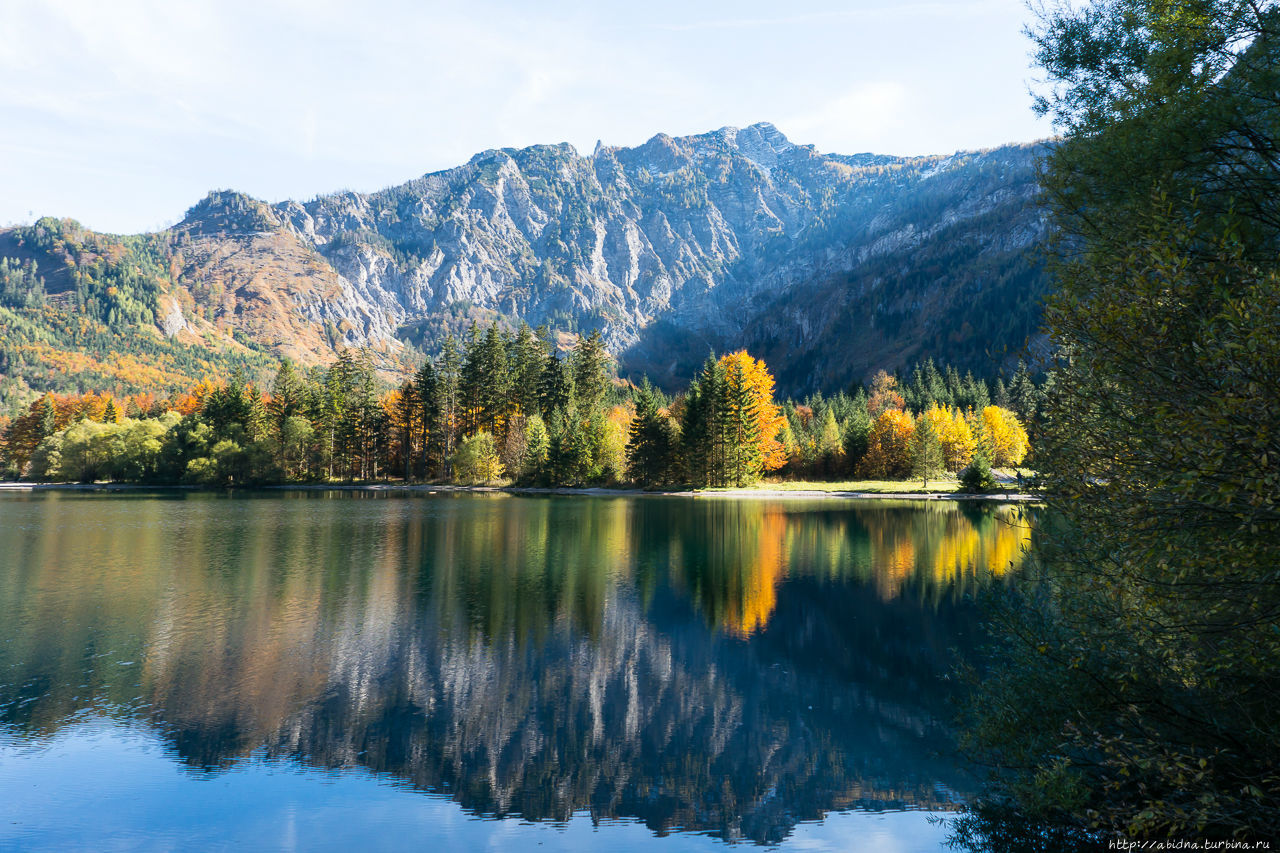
[750,389]
[1005,436]
[953,434]
[612,460]
[887,455]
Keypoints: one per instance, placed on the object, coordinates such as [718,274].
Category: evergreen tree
[495,403]
[703,430]
[288,400]
[649,443]
[445,429]
[1024,398]
[528,358]
[1001,396]
[471,383]
[568,456]
[975,396]
[537,445]
[426,390]
[590,372]
[739,420]
[927,460]
[556,388]
[857,435]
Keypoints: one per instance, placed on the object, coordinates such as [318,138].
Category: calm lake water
[460,671]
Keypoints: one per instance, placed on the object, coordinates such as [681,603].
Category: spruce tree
[426,390]
[590,372]
[448,370]
[739,422]
[494,377]
[556,387]
[527,359]
[925,449]
[649,442]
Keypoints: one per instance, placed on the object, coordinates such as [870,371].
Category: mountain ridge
[674,248]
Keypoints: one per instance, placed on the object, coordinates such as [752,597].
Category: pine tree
[1001,396]
[408,413]
[1024,398]
[703,430]
[695,434]
[287,401]
[471,381]
[536,447]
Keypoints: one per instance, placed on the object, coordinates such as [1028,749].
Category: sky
[123,114]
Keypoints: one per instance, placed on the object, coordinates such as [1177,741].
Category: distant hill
[829,266]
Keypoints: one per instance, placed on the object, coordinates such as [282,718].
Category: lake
[374,671]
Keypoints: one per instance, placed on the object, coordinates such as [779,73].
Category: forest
[512,408]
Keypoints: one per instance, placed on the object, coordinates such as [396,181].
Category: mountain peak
[762,143]
[229,211]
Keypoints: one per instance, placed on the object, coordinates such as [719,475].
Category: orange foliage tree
[884,395]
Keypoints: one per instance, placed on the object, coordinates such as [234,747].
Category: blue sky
[124,113]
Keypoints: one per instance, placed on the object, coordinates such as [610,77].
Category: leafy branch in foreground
[1135,690]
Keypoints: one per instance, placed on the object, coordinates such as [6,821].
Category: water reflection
[724,666]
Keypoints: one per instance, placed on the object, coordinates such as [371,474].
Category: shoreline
[424,488]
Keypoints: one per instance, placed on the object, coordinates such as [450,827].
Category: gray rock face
[671,248]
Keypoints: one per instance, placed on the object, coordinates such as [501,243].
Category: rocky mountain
[829,266]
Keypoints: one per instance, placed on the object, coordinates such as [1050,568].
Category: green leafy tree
[1137,694]
[476,460]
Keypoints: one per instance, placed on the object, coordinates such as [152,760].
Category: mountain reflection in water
[712,665]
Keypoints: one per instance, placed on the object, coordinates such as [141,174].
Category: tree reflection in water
[728,666]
